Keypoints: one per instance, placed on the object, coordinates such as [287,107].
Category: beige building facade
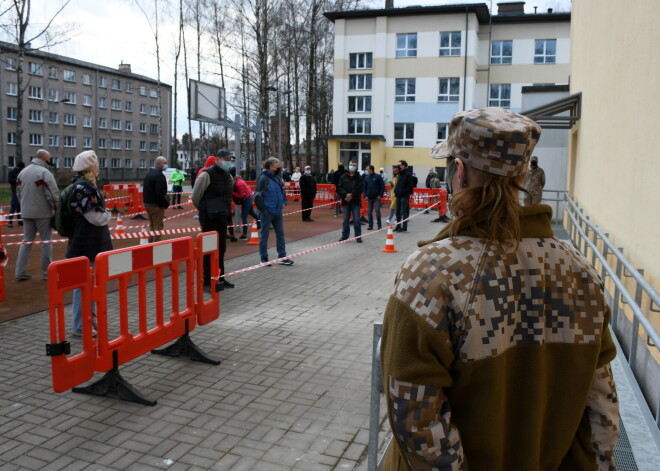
[70,106]
[402,73]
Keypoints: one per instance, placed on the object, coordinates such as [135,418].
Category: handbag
[216,207]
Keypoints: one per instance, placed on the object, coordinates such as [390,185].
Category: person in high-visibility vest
[176,179]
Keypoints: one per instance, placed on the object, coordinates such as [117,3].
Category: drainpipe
[490,49]
[465,58]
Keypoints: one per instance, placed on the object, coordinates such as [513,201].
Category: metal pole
[257,142]
[279,126]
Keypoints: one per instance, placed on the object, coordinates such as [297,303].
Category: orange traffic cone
[254,235]
[3,219]
[119,229]
[144,239]
[389,242]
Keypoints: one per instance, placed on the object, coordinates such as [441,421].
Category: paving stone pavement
[292,392]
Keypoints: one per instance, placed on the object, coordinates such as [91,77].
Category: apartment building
[70,106]
[402,73]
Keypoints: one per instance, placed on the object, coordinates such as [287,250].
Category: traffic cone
[254,235]
[3,219]
[119,229]
[389,242]
[144,239]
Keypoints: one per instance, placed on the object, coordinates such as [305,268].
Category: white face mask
[351,168]
[308,172]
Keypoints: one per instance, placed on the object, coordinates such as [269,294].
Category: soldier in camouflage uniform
[496,349]
[534,183]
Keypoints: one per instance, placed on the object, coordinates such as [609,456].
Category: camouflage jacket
[497,358]
[534,183]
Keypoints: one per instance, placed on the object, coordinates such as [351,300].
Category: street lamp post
[279,92]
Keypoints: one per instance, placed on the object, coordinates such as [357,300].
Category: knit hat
[493,140]
[85,160]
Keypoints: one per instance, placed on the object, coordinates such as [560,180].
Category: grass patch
[5,196]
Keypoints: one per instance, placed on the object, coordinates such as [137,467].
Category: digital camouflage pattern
[534,183]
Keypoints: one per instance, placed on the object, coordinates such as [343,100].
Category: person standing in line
[15,203]
[383,175]
[373,192]
[350,191]
[404,188]
[429,177]
[91,235]
[271,189]
[534,183]
[307,193]
[176,179]
[395,178]
[242,195]
[296,175]
[212,195]
[154,196]
[228,157]
[330,177]
[37,193]
[484,320]
[337,178]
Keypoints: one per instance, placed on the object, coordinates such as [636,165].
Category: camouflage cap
[493,140]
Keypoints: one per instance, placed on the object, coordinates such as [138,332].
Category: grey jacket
[37,191]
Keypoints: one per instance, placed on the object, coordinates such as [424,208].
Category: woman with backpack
[91,234]
[242,196]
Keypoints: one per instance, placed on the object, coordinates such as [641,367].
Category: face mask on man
[164,167]
[308,172]
[351,168]
[278,171]
[226,165]
[535,164]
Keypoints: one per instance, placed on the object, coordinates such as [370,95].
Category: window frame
[12,113]
[69,119]
[12,87]
[360,60]
[115,144]
[35,88]
[403,141]
[406,50]
[69,98]
[115,124]
[87,142]
[359,126]
[53,72]
[115,163]
[450,97]
[35,136]
[405,97]
[34,68]
[103,143]
[354,81]
[451,50]
[71,75]
[71,142]
[445,127]
[38,114]
[499,101]
[501,59]
[544,57]
[355,101]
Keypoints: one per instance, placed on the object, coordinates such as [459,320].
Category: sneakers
[243,237]
[343,239]
[359,240]
[285,262]
[24,277]
[233,239]
[370,228]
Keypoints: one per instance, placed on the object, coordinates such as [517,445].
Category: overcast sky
[110,32]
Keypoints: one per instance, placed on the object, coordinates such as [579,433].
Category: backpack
[258,193]
[65,223]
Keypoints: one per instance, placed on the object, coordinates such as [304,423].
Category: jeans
[392,214]
[246,208]
[402,211]
[370,208]
[176,197]
[346,228]
[30,228]
[76,310]
[278,225]
[15,207]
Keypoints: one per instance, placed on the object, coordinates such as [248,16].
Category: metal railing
[557,202]
[587,237]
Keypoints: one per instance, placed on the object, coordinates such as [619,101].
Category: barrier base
[114,385]
[139,216]
[185,347]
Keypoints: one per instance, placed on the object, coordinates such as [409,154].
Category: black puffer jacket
[351,184]
[155,189]
[404,185]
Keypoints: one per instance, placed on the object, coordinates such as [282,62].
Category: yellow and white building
[402,73]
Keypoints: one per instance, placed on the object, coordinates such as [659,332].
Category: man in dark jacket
[154,196]
[15,203]
[307,193]
[403,190]
[337,178]
[374,187]
[350,190]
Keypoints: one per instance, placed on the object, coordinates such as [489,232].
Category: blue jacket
[373,186]
[272,191]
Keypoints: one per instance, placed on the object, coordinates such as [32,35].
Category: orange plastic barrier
[136,205]
[120,196]
[3,262]
[207,244]
[325,193]
[387,198]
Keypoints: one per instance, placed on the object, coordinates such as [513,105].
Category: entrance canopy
[559,114]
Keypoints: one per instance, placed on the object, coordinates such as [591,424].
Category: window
[69,119]
[103,123]
[404,134]
[68,162]
[443,128]
[116,144]
[53,140]
[52,72]
[143,109]
[87,100]
[35,69]
[143,127]
[154,93]
[116,125]
[52,95]
[36,139]
[87,79]
[143,90]
[128,163]
[69,75]
[11,139]
[103,162]
[153,129]
[129,87]
[11,113]
[404,90]
[450,43]
[103,82]
[128,144]
[103,102]
[115,163]
[69,98]
[128,126]
[449,89]
[153,146]
[154,111]
[406,45]
[143,163]
[500,52]
[11,63]
[52,117]
[69,141]
[129,107]
[359,82]
[500,95]
[362,60]
[359,104]
[35,92]
[143,147]
[36,116]
[116,84]
[12,88]
[545,51]
[103,143]
[116,104]
[87,142]
[87,121]
[359,125]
